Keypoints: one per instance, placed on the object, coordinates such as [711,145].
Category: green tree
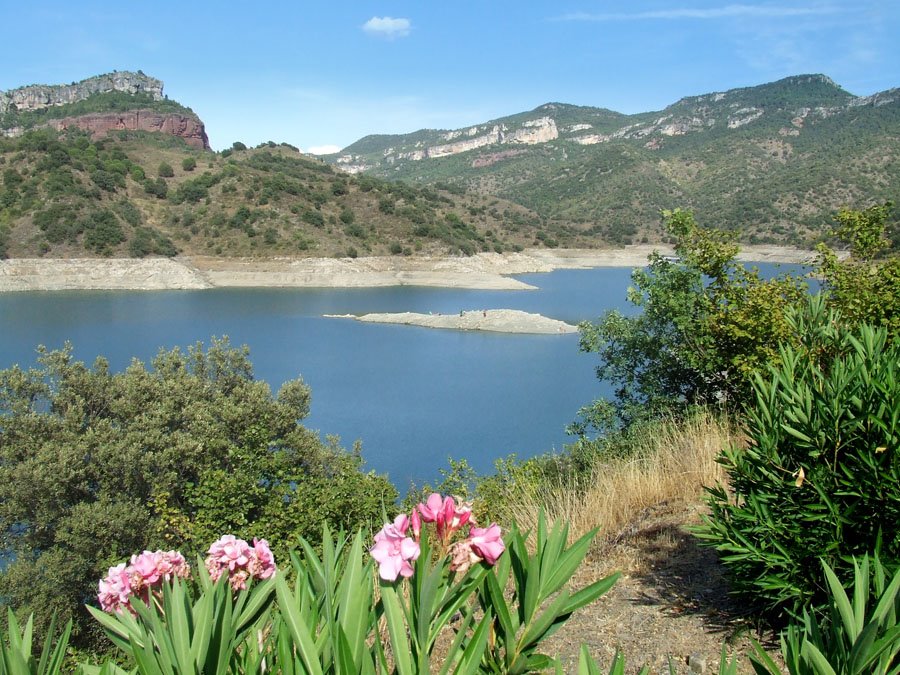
[189,164]
[95,465]
[865,286]
[707,324]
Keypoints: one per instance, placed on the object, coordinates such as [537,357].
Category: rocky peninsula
[491,320]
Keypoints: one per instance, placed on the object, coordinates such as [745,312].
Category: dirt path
[672,600]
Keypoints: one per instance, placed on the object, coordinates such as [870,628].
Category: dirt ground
[671,601]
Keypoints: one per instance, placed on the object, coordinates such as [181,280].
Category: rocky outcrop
[38,96]
[189,128]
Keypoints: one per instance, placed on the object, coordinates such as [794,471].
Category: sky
[320,74]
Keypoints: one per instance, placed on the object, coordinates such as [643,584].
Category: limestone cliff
[38,96]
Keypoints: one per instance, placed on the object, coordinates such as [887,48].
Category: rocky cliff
[39,96]
[190,129]
[47,106]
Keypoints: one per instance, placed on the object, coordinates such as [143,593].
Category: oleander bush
[820,477]
[435,593]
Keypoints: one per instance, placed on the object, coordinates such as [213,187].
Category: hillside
[110,167]
[63,194]
[771,161]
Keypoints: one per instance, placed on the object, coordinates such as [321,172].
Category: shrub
[189,164]
[165,170]
[820,478]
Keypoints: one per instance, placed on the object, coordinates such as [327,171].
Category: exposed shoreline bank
[482,271]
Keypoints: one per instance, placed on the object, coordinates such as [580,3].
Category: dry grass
[672,463]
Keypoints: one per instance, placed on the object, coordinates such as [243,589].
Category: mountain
[771,161]
[73,185]
[115,101]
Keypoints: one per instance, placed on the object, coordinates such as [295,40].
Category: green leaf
[395,616]
[303,641]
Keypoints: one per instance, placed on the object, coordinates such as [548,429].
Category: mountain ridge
[771,161]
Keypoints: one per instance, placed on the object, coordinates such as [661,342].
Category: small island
[493,320]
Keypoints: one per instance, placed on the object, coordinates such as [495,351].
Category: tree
[707,323]
[95,465]
[189,164]
[865,286]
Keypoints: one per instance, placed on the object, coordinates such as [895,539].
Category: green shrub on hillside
[820,478]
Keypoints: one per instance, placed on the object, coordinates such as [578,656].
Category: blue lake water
[413,396]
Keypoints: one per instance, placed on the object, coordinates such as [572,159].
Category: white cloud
[387,27]
[726,12]
[323,149]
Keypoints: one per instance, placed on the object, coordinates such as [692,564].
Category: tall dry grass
[670,461]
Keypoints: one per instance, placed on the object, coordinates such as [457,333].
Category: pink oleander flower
[462,556]
[239,560]
[432,507]
[262,562]
[487,543]
[445,513]
[172,564]
[115,590]
[142,577]
[230,552]
[393,550]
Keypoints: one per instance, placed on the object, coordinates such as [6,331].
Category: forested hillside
[771,162]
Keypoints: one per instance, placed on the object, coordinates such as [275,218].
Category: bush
[820,478]
[165,170]
[189,164]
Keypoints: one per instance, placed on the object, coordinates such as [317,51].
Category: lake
[413,396]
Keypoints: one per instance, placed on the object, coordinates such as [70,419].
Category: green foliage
[707,323]
[189,163]
[866,286]
[95,465]
[820,478]
[328,619]
[540,600]
[17,657]
[165,170]
[214,633]
[860,634]
[102,232]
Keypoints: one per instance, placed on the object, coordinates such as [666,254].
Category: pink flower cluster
[141,578]
[394,551]
[239,560]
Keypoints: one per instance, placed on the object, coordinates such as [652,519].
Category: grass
[669,461]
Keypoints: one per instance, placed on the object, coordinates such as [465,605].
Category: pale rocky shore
[492,320]
[486,271]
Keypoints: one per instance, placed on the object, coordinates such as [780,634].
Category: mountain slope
[771,161]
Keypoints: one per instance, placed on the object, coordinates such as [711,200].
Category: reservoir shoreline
[482,271]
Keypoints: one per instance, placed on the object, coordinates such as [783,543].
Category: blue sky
[317,73]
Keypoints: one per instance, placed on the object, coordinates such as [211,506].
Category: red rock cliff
[190,129]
